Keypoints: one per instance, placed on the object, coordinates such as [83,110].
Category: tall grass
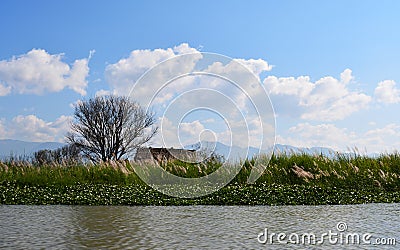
[346,171]
[288,179]
[63,174]
[352,171]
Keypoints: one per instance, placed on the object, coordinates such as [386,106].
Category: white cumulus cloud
[37,72]
[327,99]
[257,66]
[346,76]
[102,92]
[300,86]
[377,140]
[5,90]
[386,92]
[239,99]
[123,74]
[192,128]
[32,128]
[324,135]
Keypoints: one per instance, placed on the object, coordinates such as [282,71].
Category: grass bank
[288,180]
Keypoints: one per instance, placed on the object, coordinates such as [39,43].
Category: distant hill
[18,148]
[240,153]
[287,149]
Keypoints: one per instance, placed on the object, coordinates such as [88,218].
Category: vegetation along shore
[297,179]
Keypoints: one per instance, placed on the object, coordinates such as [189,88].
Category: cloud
[4,90]
[123,75]
[32,128]
[300,86]
[324,135]
[184,48]
[239,99]
[178,135]
[102,92]
[327,99]
[195,131]
[346,76]
[167,135]
[191,130]
[257,66]
[37,72]
[2,129]
[175,133]
[382,139]
[386,92]
[376,140]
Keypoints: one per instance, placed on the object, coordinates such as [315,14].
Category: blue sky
[309,45]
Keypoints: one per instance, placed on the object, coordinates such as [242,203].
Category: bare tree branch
[110,127]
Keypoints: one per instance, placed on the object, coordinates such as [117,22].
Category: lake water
[199,227]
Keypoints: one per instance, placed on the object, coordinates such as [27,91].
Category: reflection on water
[190,227]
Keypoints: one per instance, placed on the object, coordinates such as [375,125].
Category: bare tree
[110,127]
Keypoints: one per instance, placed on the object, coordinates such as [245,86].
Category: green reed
[288,179]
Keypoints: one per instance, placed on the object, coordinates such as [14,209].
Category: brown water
[190,227]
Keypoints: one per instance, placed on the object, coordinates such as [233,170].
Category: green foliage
[137,194]
[288,179]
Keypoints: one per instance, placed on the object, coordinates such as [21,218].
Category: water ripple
[190,227]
